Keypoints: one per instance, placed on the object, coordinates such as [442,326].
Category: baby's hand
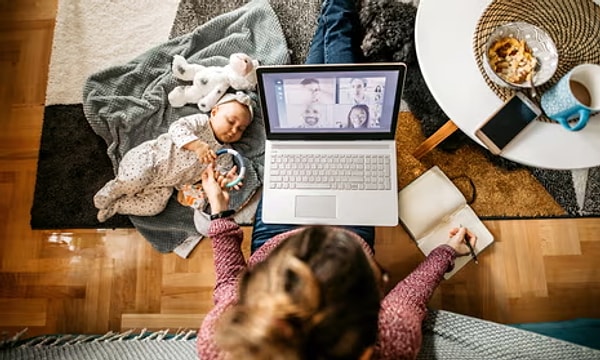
[205,154]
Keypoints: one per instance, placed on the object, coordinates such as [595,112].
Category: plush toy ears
[240,97]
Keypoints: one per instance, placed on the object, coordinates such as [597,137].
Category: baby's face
[229,121]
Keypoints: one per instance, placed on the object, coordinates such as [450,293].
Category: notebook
[330,155]
[430,206]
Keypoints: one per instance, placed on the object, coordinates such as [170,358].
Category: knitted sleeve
[226,238]
[404,308]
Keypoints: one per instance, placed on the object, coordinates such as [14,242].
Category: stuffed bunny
[209,83]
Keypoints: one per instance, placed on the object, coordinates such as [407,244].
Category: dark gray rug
[73,163]
[72,166]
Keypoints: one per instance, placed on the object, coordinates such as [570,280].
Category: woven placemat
[574,25]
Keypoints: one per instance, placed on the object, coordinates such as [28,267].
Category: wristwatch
[222,214]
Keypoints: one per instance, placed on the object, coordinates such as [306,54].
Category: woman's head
[358,116]
[316,296]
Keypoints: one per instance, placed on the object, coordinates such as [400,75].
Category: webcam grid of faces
[343,103]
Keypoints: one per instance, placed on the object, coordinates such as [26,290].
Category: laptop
[330,154]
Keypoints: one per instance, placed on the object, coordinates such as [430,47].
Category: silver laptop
[330,155]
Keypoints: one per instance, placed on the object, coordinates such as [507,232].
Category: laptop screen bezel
[316,68]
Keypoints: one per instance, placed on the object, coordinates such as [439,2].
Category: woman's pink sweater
[402,310]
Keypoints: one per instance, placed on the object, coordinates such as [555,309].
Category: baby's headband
[240,97]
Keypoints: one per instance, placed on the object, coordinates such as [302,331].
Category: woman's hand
[230,176]
[213,184]
[458,239]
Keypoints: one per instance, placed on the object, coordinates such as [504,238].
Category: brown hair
[314,297]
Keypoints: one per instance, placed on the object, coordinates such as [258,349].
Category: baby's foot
[101,201]
[105,196]
[105,214]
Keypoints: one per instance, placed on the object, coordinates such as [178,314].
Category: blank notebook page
[425,202]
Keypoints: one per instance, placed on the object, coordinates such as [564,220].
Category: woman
[313,292]
[358,116]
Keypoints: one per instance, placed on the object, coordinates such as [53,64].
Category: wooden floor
[93,281]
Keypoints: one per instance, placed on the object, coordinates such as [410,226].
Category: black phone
[507,122]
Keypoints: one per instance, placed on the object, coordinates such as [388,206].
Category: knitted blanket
[446,335]
[127,104]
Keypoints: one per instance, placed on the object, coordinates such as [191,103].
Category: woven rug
[72,163]
[446,335]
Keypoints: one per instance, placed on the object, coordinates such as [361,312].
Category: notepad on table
[430,206]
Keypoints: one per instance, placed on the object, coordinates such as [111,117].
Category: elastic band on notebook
[473,196]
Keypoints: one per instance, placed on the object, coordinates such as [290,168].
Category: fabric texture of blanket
[446,335]
[127,104]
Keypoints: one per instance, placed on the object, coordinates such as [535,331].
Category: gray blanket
[127,104]
[446,335]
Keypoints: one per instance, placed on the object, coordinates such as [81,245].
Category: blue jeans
[336,41]
[262,232]
[338,35]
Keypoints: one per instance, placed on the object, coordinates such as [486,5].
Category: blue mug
[575,96]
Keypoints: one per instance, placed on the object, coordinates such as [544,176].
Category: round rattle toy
[239,160]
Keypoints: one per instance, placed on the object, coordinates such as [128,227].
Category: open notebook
[430,206]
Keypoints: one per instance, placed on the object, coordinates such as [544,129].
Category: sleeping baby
[149,172]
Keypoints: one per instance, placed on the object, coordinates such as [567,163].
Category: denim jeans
[338,35]
[336,41]
[262,232]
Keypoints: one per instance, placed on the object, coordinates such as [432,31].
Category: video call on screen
[325,101]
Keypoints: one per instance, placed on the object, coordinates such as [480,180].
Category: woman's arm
[404,308]
[226,238]
[229,260]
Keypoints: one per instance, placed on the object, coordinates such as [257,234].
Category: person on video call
[311,117]
[359,91]
[314,292]
[358,116]
[312,89]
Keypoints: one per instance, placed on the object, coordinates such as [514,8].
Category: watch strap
[222,214]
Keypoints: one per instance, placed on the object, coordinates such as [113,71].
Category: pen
[471,250]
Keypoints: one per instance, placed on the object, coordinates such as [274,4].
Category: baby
[149,172]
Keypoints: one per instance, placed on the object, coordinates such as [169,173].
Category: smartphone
[507,122]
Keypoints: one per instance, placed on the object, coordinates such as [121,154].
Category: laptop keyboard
[330,172]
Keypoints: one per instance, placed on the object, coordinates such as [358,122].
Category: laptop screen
[331,101]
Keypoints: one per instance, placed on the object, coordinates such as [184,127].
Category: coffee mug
[575,95]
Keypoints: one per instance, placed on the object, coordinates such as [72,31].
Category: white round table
[444,42]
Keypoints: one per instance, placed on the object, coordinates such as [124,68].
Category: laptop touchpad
[316,206]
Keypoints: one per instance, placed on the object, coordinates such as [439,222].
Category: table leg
[437,137]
